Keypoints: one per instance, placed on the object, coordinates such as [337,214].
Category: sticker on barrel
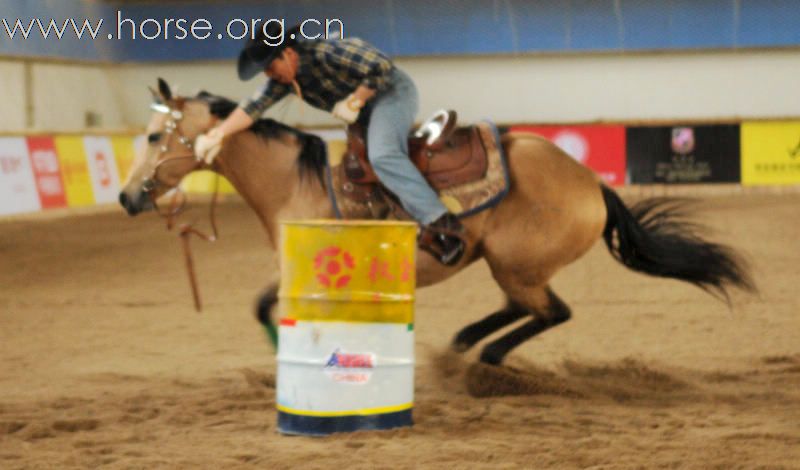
[345,367]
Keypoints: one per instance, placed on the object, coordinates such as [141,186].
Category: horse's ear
[156,95]
[163,88]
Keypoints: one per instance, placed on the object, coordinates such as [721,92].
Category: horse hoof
[459,347]
[490,357]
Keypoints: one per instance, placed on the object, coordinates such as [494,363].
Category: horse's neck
[265,173]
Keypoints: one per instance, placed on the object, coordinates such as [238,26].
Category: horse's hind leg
[471,334]
[547,310]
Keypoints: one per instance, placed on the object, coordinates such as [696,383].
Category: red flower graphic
[332,264]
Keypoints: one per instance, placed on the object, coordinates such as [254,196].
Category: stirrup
[432,241]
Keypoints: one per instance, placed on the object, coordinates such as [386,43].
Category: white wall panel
[12,95]
[669,85]
[666,85]
[63,94]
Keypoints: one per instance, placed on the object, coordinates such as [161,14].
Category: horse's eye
[154,137]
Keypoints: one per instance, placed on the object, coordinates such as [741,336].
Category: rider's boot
[444,239]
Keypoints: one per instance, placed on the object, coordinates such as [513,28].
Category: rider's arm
[251,109]
[272,92]
[237,121]
[208,145]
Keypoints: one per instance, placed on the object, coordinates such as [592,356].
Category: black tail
[654,237]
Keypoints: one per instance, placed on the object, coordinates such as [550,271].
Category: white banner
[102,169]
[17,186]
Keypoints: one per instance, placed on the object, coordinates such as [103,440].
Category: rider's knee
[384,160]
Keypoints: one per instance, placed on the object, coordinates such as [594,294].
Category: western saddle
[445,155]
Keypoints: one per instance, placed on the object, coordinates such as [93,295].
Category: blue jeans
[390,120]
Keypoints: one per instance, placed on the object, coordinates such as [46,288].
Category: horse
[554,212]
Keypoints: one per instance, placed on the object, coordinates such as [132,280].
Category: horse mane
[313,154]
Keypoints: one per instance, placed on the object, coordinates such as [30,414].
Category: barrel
[346,329]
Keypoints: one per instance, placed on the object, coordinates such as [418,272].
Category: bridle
[151,184]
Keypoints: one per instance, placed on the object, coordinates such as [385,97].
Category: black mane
[312,159]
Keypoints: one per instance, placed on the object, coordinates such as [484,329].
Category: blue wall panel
[593,25]
[769,22]
[35,44]
[539,26]
[706,24]
[451,27]
[644,25]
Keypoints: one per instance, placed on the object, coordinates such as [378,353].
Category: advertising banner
[683,154]
[102,169]
[124,153]
[77,183]
[17,185]
[601,148]
[47,172]
[771,153]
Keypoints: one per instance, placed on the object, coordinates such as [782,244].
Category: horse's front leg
[266,303]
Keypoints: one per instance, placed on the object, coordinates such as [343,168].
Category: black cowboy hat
[257,54]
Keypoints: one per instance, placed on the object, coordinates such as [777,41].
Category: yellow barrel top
[334,270]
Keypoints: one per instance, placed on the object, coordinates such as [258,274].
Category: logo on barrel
[332,265]
[349,367]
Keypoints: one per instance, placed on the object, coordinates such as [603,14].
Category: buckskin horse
[553,213]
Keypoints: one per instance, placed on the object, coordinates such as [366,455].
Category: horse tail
[654,237]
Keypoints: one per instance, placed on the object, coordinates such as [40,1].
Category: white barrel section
[346,334]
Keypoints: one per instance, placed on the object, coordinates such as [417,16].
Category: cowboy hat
[258,53]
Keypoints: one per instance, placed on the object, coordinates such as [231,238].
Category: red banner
[47,172]
[601,148]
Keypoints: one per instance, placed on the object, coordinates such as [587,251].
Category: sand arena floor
[104,362]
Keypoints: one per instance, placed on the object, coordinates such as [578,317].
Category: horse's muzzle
[135,204]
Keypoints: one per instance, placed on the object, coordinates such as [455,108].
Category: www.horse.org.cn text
[124,28]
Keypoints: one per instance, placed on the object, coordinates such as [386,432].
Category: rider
[354,81]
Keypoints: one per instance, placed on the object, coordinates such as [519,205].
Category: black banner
[683,154]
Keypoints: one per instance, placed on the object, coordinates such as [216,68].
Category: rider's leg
[390,121]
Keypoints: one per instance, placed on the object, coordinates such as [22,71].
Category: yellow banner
[770,153]
[124,153]
[77,182]
[202,182]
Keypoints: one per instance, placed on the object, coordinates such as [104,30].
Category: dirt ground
[104,362]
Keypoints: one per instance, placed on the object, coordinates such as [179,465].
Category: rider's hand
[208,145]
[347,110]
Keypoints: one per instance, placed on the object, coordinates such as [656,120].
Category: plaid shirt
[328,71]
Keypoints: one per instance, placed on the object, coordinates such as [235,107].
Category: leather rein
[178,201]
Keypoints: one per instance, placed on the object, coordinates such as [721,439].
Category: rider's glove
[208,145]
[347,110]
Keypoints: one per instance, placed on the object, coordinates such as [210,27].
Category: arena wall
[507,89]
[575,88]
